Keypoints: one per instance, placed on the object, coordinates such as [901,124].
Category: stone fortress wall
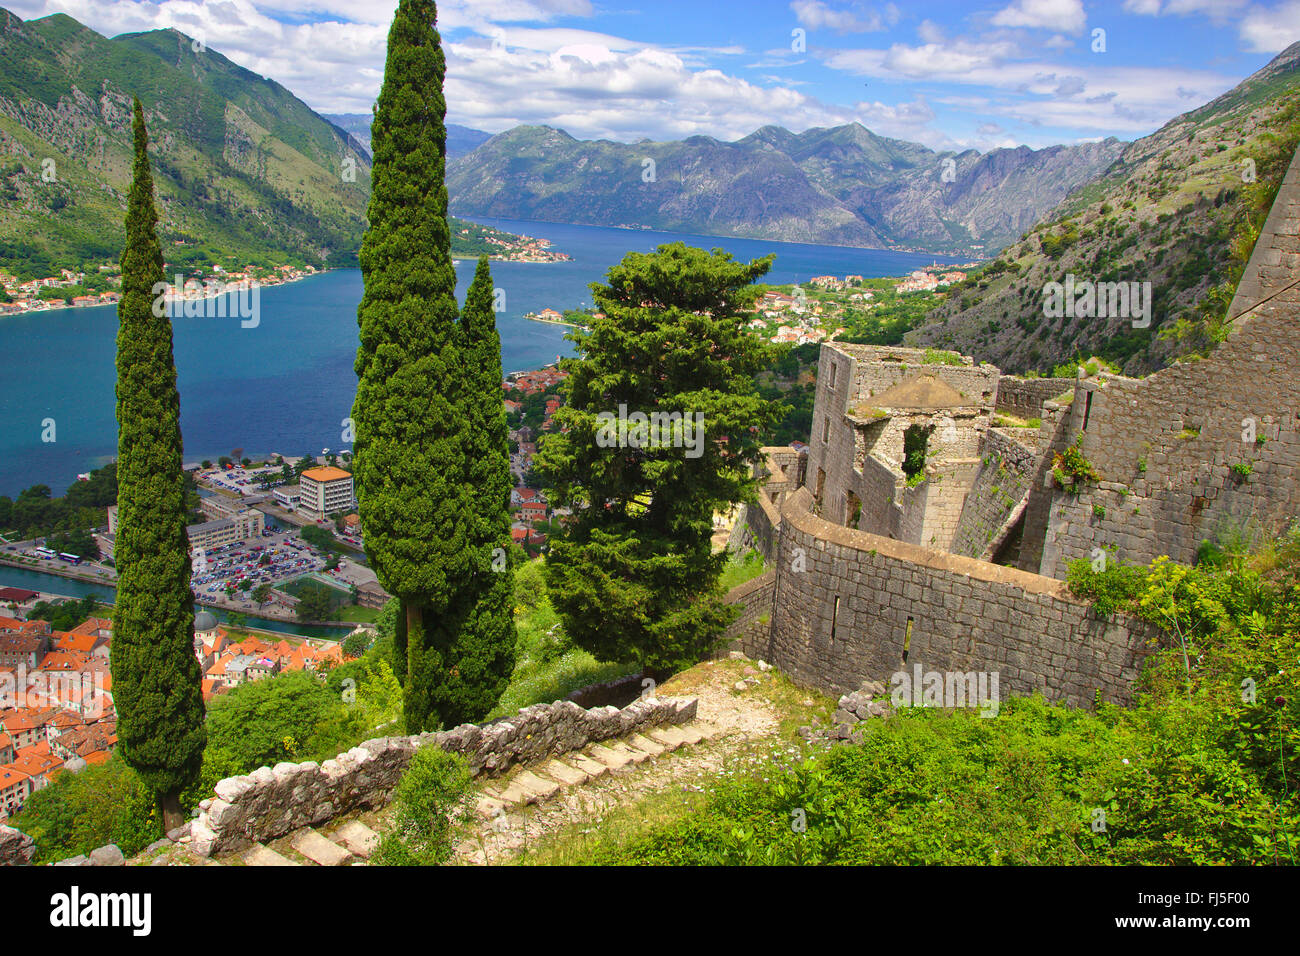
[850,606]
[868,575]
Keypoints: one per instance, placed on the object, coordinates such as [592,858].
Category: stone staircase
[353,843]
[541,783]
[350,844]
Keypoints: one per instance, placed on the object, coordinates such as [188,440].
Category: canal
[72,587]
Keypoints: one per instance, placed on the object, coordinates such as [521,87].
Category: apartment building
[326,490]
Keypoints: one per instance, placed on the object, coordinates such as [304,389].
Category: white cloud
[1265,30]
[1113,99]
[1062,16]
[930,32]
[815,15]
[1216,9]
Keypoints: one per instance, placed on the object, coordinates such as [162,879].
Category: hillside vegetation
[246,173]
[1179,209]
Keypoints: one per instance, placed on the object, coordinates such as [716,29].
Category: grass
[741,569]
[358,614]
[547,666]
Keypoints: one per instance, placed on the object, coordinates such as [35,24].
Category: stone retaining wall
[273,801]
[16,847]
[755,598]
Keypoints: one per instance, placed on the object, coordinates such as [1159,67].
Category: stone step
[543,789]
[562,772]
[319,850]
[265,856]
[645,744]
[527,787]
[691,734]
[670,737]
[357,837]
[592,768]
[488,806]
[610,758]
[635,754]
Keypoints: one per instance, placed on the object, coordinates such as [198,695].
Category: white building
[323,491]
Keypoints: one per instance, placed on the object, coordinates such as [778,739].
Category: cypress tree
[156,679]
[484,654]
[408,461]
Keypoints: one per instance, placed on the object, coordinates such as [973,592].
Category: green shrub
[941,357]
[431,802]
[1071,470]
[740,569]
[1111,589]
[82,811]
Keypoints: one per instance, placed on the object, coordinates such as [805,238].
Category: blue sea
[286,385]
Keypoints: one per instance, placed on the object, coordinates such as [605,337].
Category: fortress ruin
[923,524]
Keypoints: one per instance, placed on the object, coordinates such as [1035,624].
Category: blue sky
[950,75]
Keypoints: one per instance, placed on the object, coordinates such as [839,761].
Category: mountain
[245,171]
[1178,209]
[460,139]
[839,186]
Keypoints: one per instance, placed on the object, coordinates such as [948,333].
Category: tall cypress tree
[156,679]
[484,653]
[408,461]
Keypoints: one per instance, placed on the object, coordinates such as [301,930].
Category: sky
[949,75]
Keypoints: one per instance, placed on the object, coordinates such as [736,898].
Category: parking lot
[275,558]
[239,480]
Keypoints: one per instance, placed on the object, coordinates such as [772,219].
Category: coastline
[85,578]
[56,305]
[571,325]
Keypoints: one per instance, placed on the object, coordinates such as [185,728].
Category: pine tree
[157,685]
[409,463]
[633,576]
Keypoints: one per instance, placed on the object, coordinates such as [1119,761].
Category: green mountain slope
[1177,209]
[245,171]
[842,186]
